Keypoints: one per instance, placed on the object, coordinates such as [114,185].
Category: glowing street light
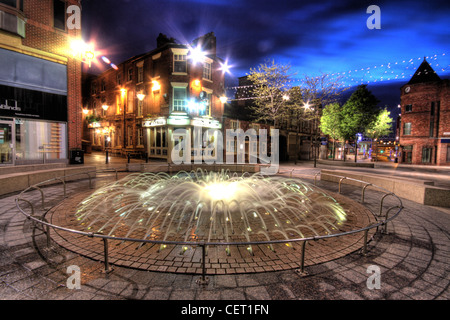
[307,105]
[223,99]
[140,96]
[82,51]
[196,54]
[225,67]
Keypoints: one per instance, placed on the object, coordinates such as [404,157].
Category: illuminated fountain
[211,207]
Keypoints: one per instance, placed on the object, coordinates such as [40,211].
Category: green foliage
[359,112]
[382,126]
[93,118]
[330,121]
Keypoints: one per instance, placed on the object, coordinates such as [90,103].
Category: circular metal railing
[202,244]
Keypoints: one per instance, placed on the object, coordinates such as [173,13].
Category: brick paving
[413,259]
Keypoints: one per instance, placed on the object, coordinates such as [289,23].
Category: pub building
[134,108]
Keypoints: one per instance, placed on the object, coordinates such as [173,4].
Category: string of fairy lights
[398,70]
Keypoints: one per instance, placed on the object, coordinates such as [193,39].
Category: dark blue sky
[312,36]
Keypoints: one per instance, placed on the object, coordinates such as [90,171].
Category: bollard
[106,161]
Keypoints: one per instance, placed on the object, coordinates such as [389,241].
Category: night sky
[321,36]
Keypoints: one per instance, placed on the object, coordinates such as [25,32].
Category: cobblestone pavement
[412,260]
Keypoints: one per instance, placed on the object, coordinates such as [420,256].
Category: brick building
[40,82]
[135,107]
[425,118]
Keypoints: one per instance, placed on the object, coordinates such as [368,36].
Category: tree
[358,113]
[330,123]
[270,83]
[318,92]
[382,126]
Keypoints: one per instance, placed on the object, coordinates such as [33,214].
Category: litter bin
[76,156]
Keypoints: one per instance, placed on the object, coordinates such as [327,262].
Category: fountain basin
[250,222]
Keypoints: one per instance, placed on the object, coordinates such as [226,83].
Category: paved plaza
[411,261]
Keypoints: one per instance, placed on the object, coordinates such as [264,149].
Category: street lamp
[82,51]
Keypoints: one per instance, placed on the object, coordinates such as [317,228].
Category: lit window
[179,99]
[407,128]
[207,71]
[140,108]
[179,63]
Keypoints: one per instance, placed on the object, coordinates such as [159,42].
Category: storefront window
[40,141]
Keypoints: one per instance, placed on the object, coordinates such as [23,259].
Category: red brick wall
[421,96]
[41,35]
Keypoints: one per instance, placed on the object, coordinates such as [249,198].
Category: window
[119,79]
[130,102]
[179,63]
[130,74]
[207,71]
[13,3]
[140,106]
[140,137]
[130,136]
[408,108]
[208,104]
[103,85]
[140,74]
[407,128]
[59,14]
[448,153]
[426,154]
[179,99]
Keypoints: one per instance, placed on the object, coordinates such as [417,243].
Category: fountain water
[212,207]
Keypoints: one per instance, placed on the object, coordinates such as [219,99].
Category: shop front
[33,110]
[161,141]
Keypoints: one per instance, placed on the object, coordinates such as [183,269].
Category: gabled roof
[424,74]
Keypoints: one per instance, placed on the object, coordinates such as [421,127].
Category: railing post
[204,280]
[48,234]
[365,242]
[302,271]
[381,203]
[340,181]
[315,177]
[363,191]
[108,269]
